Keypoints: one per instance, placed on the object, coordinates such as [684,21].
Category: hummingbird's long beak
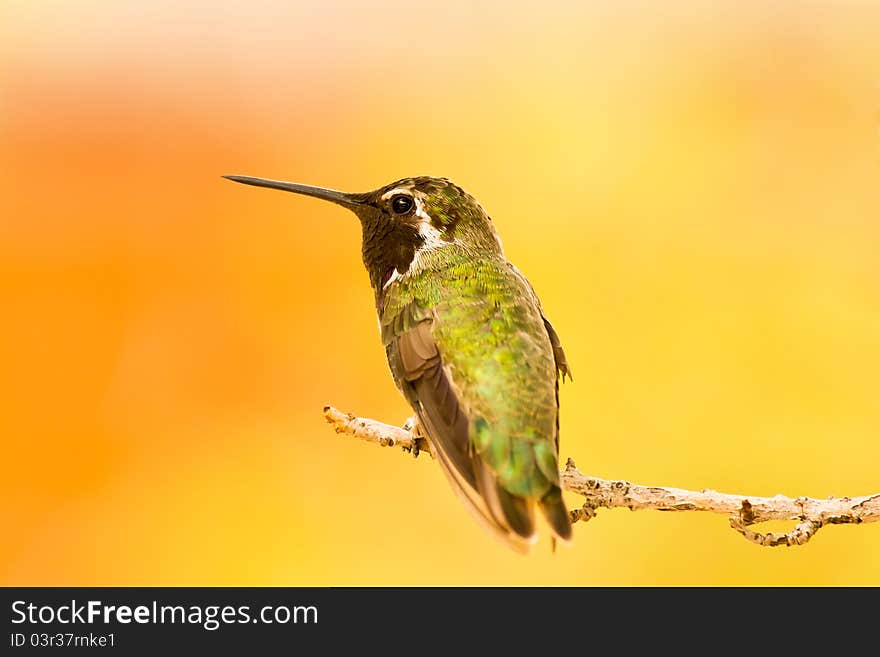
[341,198]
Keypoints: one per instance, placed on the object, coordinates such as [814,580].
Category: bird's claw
[412,426]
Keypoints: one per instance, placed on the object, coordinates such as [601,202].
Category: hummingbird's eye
[402,204]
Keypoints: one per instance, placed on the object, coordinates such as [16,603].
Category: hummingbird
[468,346]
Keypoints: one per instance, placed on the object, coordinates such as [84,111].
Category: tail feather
[519,513]
[514,514]
[556,514]
[480,507]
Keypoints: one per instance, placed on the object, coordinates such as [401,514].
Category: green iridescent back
[490,332]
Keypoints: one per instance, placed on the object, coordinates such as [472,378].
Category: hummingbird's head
[405,221]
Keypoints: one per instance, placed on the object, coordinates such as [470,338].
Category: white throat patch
[432,239]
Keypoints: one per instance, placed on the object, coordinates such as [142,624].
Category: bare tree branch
[742,510]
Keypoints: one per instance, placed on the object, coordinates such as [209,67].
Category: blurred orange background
[693,188]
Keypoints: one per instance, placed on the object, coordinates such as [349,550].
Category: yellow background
[693,189]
